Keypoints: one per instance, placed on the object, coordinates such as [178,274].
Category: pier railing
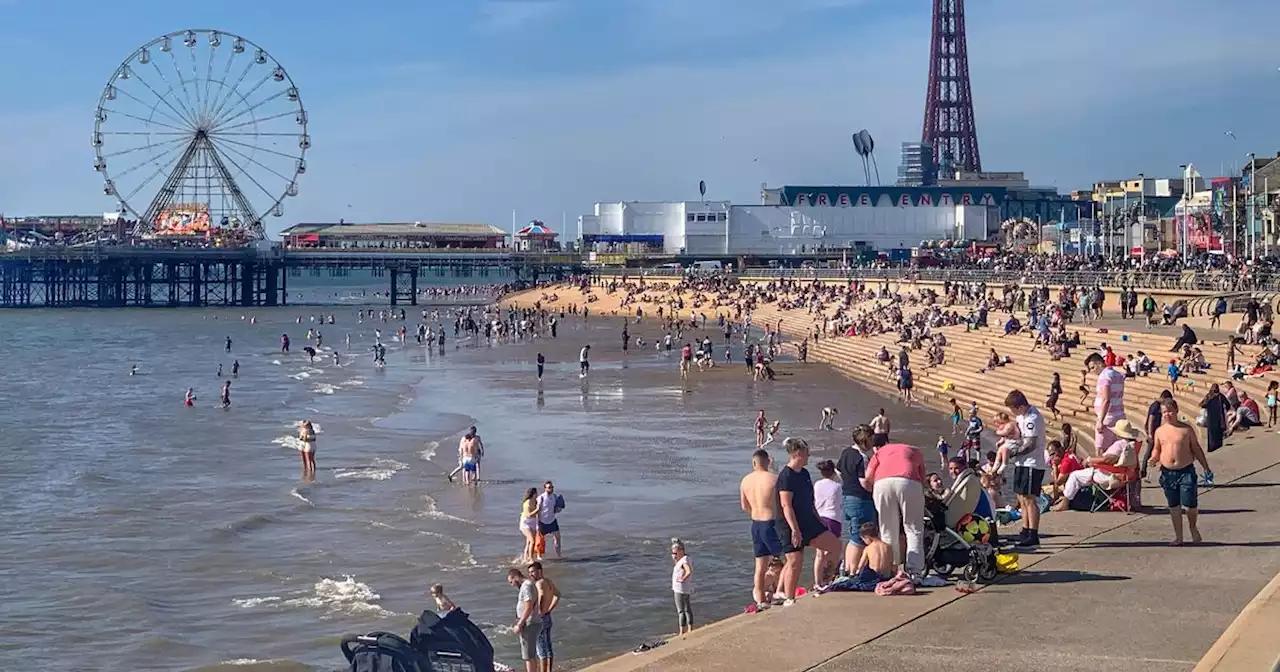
[1177,281]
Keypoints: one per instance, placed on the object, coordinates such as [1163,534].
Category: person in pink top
[895,477]
[1108,401]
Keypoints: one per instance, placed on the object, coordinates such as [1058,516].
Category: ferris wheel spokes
[191,131]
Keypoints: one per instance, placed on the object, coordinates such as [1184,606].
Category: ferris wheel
[199,131]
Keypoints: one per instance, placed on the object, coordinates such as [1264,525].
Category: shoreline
[841,361]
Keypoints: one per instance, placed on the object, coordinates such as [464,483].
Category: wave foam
[324,388]
[345,595]
[301,496]
[381,470]
[290,442]
[434,512]
[251,602]
[429,450]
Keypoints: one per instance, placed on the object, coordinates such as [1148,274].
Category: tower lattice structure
[948,110]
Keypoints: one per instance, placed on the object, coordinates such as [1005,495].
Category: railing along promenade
[1178,281]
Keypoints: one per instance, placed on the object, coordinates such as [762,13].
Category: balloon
[702,187]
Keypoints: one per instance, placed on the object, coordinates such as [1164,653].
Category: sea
[139,534]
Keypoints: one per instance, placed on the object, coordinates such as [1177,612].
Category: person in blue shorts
[759,497]
[943,449]
[858,505]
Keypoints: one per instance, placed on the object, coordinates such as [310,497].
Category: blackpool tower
[948,107]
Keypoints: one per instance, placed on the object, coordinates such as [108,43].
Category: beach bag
[540,544]
[1006,563]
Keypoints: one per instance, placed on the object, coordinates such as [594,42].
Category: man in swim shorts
[880,429]
[470,452]
[549,506]
[1176,449]
[758,495]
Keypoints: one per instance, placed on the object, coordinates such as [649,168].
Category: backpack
[382,652]
[452,642]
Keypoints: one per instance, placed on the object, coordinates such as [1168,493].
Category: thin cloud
[502,15]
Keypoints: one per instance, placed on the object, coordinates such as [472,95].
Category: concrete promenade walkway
[1104,592]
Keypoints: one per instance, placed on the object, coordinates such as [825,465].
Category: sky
[468,110]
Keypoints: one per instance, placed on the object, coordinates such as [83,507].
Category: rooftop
[394,229]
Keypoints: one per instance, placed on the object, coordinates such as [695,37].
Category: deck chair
[1120,497]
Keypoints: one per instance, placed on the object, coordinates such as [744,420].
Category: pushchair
[971,549]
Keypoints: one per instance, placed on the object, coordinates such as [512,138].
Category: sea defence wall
[1096,572]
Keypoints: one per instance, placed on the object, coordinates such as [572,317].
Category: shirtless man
[470,452]
[761,423]
[548,600]
[758,494]
[1176,449]
[880,427]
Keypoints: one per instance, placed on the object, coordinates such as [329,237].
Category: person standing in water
[228,346]
[307,437]
[190,399]
[470,452]
[235,369]
[584,363]
[284,343]
[226,394]
[542,362]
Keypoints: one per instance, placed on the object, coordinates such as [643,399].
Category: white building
[678,227]
[797,220]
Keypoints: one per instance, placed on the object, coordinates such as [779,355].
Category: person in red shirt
[1109,358]
[686,357]
[1062,463]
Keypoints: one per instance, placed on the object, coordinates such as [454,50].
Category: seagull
[1233,135]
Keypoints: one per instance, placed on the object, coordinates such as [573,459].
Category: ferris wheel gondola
[203,130]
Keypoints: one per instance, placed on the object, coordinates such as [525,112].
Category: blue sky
[463,110]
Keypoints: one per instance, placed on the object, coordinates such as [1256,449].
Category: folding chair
[1122,495]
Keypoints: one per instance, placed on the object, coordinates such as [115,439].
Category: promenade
[1105,590]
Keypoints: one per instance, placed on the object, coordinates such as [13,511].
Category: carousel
[536,237]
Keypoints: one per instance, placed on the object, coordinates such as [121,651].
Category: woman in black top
[1215,417]
[1055,391]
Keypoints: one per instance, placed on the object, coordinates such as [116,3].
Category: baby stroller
[971,549]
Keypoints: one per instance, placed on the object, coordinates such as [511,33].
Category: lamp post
[1251,235]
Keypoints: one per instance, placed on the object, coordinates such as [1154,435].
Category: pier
[125,276]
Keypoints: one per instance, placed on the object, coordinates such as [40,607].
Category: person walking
[549,506]
[1176,449]
[895,477]
[682,585]
[1214,409]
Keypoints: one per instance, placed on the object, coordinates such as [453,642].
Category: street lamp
[1251,235]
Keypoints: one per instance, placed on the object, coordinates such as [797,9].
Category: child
[992,479]
[1069,443]
[1174,373]
[876,563]
[972,435]
[773,431]
[934,487]
[1006,434]
[943,449]
[955,418]
[1273,391]
[444,605]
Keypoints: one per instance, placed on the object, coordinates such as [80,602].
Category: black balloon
[702,187]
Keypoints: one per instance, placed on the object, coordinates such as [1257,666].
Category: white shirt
[828,498]
[547,508]
[683,587]
[528,593]
[1031,424]
[582,356]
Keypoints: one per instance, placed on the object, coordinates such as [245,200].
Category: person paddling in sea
[307,449]
[470,451]
[226,394]
[190,399]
